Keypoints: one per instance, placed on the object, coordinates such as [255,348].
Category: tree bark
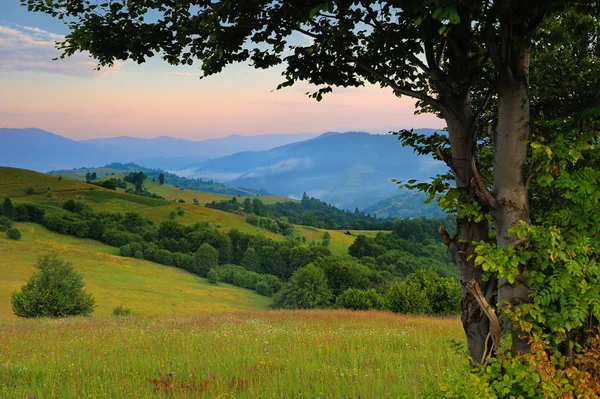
[460,128]
[510,189]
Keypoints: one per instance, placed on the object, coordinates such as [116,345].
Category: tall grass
[287,354]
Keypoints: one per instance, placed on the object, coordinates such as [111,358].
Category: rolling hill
[50,192]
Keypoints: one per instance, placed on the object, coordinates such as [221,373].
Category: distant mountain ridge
[40,150]
[348,170]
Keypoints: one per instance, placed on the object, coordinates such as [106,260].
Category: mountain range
[348,170]
[42,151]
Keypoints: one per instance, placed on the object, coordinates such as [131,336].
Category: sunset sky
[69,98]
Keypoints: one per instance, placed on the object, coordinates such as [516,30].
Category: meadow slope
[145,287]
[276,354]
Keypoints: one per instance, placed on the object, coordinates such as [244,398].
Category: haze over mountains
[348,170]
[43,151]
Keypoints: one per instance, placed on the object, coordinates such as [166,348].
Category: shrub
[206,258]
[122,311]
[263,288]
[172,215]
[56,290]
[306,289]
[29,213]
[408,297]
[5,223]
[356,299]
[69,205]
[180,212]
[213,276]
[13,234]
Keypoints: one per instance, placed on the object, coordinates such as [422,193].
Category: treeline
[307,212]
[135,178]
[315,213]
[386,272]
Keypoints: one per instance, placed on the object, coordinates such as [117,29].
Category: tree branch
[395,86]
[475,290]
[377,25]
[483,191]
[430,56]
[445,236]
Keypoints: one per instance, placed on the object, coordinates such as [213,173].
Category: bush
[13,234]
[213,276]
[180,212]
[306,289]
[356,299]
[5,223]
[29,213]
[263,288]
[122,311]
[172,215]
[408,297]
[56,290]
[206,258]
[69,205]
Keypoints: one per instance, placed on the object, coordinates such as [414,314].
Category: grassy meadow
[145,287]
[274,354]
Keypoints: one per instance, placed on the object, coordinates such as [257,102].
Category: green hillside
[145,287]
[50,192]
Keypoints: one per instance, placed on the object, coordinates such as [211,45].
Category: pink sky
[69,98]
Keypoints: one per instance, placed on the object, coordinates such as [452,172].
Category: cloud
[183,74]
[26,48]
[280,167]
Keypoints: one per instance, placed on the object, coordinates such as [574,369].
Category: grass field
[284,354]
[145,287]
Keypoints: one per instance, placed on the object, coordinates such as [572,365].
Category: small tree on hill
[56,290]
[161,178]
[8,209]
[206,258]
[307,289]
[13,234]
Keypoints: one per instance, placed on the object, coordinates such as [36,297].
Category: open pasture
[283,354]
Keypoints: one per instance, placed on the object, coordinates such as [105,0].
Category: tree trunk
[510,189]
[460,128]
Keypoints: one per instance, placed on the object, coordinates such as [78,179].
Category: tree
[13,234]
[56,290]
[466,61]
[8,209]
[250,260]
[206,258]
[307,289]
[161,178]
[326,239]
